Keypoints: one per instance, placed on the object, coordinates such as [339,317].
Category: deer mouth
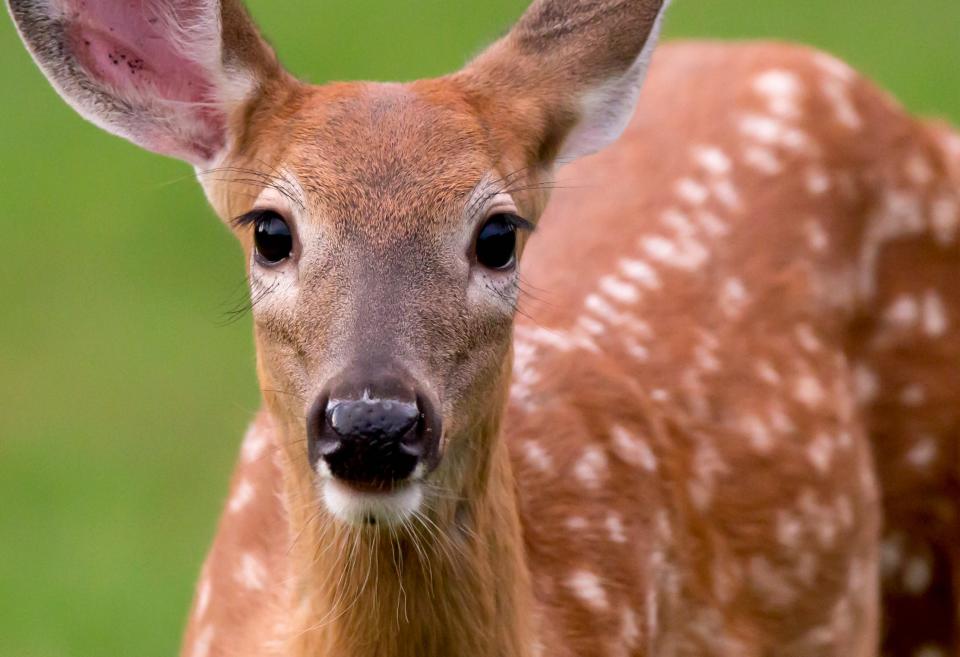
[369,505]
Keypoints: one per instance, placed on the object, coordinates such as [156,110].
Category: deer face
[382,243]
[382,224]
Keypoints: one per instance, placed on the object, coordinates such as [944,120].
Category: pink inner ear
[129,47]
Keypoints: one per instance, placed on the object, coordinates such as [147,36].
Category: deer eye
[497,242]
[272,237]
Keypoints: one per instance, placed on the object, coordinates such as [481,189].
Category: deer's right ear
[564,82]
[165,74]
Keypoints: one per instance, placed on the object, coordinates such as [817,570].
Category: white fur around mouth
[359,508]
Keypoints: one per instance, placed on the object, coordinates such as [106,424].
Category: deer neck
[452,581]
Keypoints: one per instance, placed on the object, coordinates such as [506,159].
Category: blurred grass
[123,393]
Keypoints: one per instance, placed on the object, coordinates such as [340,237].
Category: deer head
[383,224]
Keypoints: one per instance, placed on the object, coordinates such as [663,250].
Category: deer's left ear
[166,74]
[568,74]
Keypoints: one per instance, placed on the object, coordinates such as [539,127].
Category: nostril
[320,442]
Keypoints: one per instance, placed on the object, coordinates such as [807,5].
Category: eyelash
[516,221]
[249,218]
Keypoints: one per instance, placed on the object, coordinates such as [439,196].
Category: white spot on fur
[686,253]
[615,528]
[711,224]
[706,358]
[251,573]
[808,391]
[820,452]
[576,523]
[591,469]
[865,383]
[537,649]
[770,583]
[768,373]
[891,554]
[591,326]
[945,219]
[707,467]
[819,518]
[782,90]
[632,449]
[253,444]
[904,312]
[917,575]
[547,338]
[691,191]
[679,221]
[729,197]
[779,420]
[641,272]
[660,395]
[758,432]
[935,321]
[537,456]
[733,297]
[619,290]
[918,170]
[203,597]
[845,511]
[630,630]
[816,236]
[762,160]
[241,497]
[636,350]
[807,338]
[923,453]
[789,529]
[713,160]
[817,181]
[844,111]
[525,374]
[587,587]
[201,646]
[764,129]
[913,395]
[834,67]
[598,305]
[769,131]
[660,248]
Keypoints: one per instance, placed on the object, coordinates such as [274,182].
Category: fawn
[725,422]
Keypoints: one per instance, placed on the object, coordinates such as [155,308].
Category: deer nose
[373,436]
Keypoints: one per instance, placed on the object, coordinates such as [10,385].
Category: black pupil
[272,237]
[496,243]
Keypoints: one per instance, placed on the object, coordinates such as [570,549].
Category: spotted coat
[734,411]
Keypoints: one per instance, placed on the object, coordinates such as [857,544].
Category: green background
[126,381]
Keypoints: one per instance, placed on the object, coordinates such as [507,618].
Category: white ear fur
[606,109]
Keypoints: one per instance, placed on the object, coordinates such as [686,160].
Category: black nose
[373,434]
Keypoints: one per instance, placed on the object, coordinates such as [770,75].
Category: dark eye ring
[272,237]
[496,244]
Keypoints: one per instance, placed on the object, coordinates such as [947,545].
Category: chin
[364,508]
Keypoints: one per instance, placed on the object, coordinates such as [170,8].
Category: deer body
[725,414]
[658,387]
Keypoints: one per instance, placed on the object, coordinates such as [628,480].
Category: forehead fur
[379,159]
